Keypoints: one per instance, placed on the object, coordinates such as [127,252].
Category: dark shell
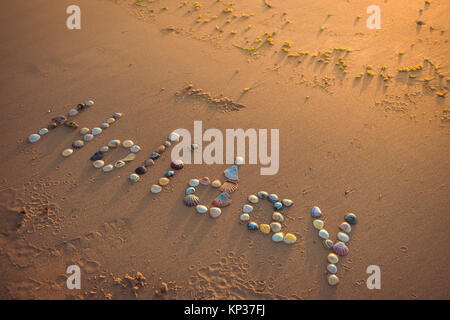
[78,144]
[52,125]
[351,218]
[141,170]
[278,206]
[97,156]
[229,187]
[191,200]
[60,120]
[169,174]
[177,165]
[71,124]
[81,106]
[222,200]
[155,155]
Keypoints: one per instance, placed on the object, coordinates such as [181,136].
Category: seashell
[231,173]
[264,228]
[340,248]
[222,200]
[149,162]
[276,216]
[119,164]
[191,200]
[324,234]
[205,181]
[117,115]
[174,137]
[331,268]
[67,152]
[170,173]
[351,218]
[167,144]
[278,237]
[89,103]
[318,224]
[78,144]
[315,212]
[104,125]
[97,156]
[216,183]
[155,188]
[127,144]
[239,161]
[60,120]
[244,217]
[34,137]
[287,202]
[104,149]
[134,177]
[194,147]
[345,226]
[275,226]
[73,112]
[52,126]
[247,208]
[71,124]
[215,212]
[164,181]
[194,182]
[129,157]
[229,187]
[252,198]
[262,194]
[108,168]
[273,197]
[43,131]
[111,120]
[88,137]
[81,106]
[290,238]
[333,280]
[114,143]
[177,164]
[252,226]
[190,190]
[140,170]
[99,163]
[328,244]
[85,130]
[201,208]
[343,237]
[278,205]
[161,149]
[332,258]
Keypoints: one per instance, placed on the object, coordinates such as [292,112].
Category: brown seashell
[229,187]
[161,149]
[205,181]
[191,200]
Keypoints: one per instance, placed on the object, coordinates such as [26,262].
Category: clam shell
[174,137]
[104,149]
[343,237]
[88,137]
[191,200]
[340,249]
[278,217]
[161,149]
[97,156]
[134,177]
[155,188]
[239,161]
[287,202]
[244,217]
[98,164]
[73,112]
[345,226]
[163,181]
[104,125]
[201,208]
[278,206]
[324,234]
[273,197]
[140,170]
[149,162]
[128,144]
[170,173]
[67,152]
[108,168]
[34,137]
[190,190]
[229,187]
[117,116]
[89,103]
[194,182]
[252,198]
[205,181]
[84,131]
[315,212]
[264,228]
[262,194]
[216,184]
[119,164]
[333,280]
[114,143]
[328,244]
[318,224]
[215,212]
[247,208]
[78,144]
[135,148]
[96,131]
[43,131]
[252,226]
[351,218]
[290,238]
[278,237]
[177,164]
[333,258]
[111,120]
[222,200]
[231,173]
[331,268]
[129,157]
[275,226]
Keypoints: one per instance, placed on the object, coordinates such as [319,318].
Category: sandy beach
[363,121]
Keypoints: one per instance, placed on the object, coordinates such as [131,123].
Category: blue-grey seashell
[351,218]
[253,226]
[332,268]
[97,156]
[315,212]
[273,197]
[262,194]
[190,190]
[231,173]
[278,206]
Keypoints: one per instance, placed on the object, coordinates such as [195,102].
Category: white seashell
[135,149]
[194,182]
[174,137]
[128,144]
[244,217]
[129,157]
[104,149]
[343,237]
[324,234]
[73,112]
[333,280]
[156,189]
[85,130]
[253,199]
[287,202]
[88,137]
[43,131]
[89,103]
[67,152]
[247,208]
[333,258]
[104,125]
[345,226]
[216,184]
[215,212]
[119,164]
[134,177]
[275,226]
[34,137]
[108,168]
[278,237]
[201,208]
[318,224]
[276,216]
[96,131]
[331,268]
[239,161]
[99,163]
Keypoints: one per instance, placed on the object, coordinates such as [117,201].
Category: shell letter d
[74,20]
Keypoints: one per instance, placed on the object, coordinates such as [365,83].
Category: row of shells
[60,121]
[339,248]
[97,158]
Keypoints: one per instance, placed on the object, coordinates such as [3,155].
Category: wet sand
[347,144]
